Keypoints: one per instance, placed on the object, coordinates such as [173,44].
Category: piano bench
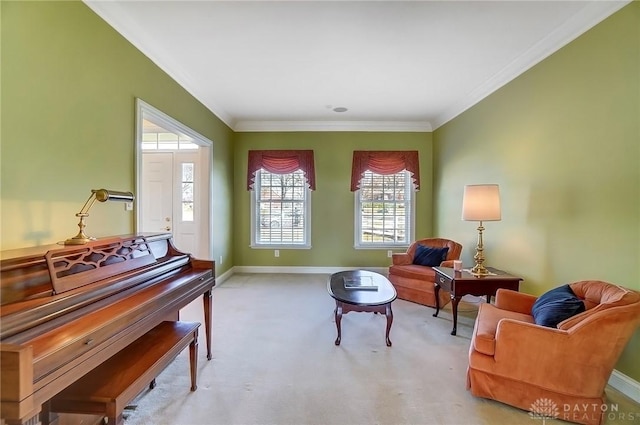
[110,387]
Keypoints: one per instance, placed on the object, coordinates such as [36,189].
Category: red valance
[385,163]
[282,162]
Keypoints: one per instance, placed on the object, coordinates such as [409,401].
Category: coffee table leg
[454,305]
[338,316]
[436,291]
[389,315]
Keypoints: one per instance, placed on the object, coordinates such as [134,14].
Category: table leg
[488,298]
[436,291]
[338,316]
[454,307]
[389,314]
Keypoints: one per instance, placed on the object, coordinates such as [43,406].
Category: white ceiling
[396,65]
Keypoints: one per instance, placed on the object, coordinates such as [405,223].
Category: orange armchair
[416,283]
[565,369]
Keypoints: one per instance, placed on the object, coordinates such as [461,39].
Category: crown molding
[112,13]
[382,126]
[115,16]
[590,15]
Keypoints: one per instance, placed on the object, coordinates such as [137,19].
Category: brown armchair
[565,369]
[416,283]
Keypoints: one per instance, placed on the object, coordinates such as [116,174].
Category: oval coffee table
[376,300]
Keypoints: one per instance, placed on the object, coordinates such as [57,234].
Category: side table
[460,283]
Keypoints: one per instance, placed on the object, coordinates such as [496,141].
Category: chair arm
[515,337]
[401,259]
[519,302]
[447,263]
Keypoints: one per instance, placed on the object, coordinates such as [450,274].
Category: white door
[171,197]
[157,192]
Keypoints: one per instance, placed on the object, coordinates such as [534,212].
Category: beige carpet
[275,362]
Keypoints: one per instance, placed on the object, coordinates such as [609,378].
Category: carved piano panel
[67,310]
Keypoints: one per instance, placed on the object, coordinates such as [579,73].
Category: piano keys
[66,310]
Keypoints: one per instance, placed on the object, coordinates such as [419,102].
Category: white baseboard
[224,276]
[626,385]
[305,270]
[618,380]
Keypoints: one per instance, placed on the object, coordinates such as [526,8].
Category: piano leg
[208,306]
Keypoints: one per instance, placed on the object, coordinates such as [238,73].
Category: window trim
[409,231]
[279,245]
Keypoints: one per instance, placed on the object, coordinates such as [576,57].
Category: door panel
[157,189]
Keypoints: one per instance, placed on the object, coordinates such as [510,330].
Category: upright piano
[66,310]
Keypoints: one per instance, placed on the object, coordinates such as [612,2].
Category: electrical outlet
[276,253]
[221,259]
[389,253]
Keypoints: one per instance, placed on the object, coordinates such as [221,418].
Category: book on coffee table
[360,283]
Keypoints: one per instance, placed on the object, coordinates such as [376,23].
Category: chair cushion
[430,256]
[412,271]
[556,305]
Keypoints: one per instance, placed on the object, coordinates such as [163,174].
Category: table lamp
[481,202]
[101,195]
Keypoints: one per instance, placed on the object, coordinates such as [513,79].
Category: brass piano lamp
[101,195]
[481,202]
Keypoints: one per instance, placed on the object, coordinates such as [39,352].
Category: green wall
[562,140]
[69,83]
[332,203]
[563,143]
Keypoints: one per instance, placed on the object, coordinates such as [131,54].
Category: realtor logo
[544,408]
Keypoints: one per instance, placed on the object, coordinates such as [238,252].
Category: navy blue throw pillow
[429,256]
[555,306]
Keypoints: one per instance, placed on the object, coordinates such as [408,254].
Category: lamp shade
[481,202]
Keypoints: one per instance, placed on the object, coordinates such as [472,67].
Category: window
[384,210]
[156,137]
[280,210]
[188,183]
[281,182]
[384,183]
